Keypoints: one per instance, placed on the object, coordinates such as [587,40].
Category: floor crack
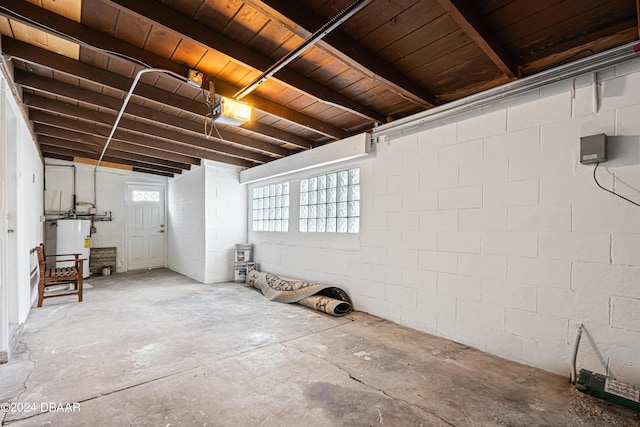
[35,366]
[26,380]
[397,398]
[379,390]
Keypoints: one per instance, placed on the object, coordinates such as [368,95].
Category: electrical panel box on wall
[593,149]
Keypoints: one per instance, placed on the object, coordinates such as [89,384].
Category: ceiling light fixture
[228,111]
[224,110]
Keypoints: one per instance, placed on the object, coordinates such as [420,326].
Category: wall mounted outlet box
[593,149]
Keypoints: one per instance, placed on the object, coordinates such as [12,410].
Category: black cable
[609,191]
[212,106]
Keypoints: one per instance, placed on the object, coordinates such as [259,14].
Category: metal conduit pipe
[590,64]
[574,356]
[74,201]
[119,116]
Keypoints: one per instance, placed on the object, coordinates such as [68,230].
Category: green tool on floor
[609,389]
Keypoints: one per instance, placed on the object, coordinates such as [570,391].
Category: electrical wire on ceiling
[211,103]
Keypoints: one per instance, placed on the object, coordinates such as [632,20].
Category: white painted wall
[111,197]
[487,230]
[4,225]
[207,216]
[29,231]
[21,197]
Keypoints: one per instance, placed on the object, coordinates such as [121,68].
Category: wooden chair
[70,278]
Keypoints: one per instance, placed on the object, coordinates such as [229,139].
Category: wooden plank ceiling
[75,60]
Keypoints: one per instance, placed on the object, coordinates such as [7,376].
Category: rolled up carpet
[325,298]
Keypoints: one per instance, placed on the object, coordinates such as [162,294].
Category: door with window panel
[145,227]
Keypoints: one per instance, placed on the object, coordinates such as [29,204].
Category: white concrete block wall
[225,220]
[207,210]
[186,238]
[489,231]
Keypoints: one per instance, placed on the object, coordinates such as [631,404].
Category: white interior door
[145,226]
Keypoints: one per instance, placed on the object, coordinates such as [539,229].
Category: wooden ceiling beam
[146,141]
[158,13]
[38,17]
[72,137]
[463,14]
[78,69]
[57,88]
[68,158]
[71,145]
[140,127]
[102,42]
[48,148]
[82,131]
[303,21]
[113,154]
[575,49]
[296,141]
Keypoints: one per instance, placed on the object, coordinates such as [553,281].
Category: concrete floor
[156,348]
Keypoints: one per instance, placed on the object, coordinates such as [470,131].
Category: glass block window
[271,207]
[145,196]
[331,203]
